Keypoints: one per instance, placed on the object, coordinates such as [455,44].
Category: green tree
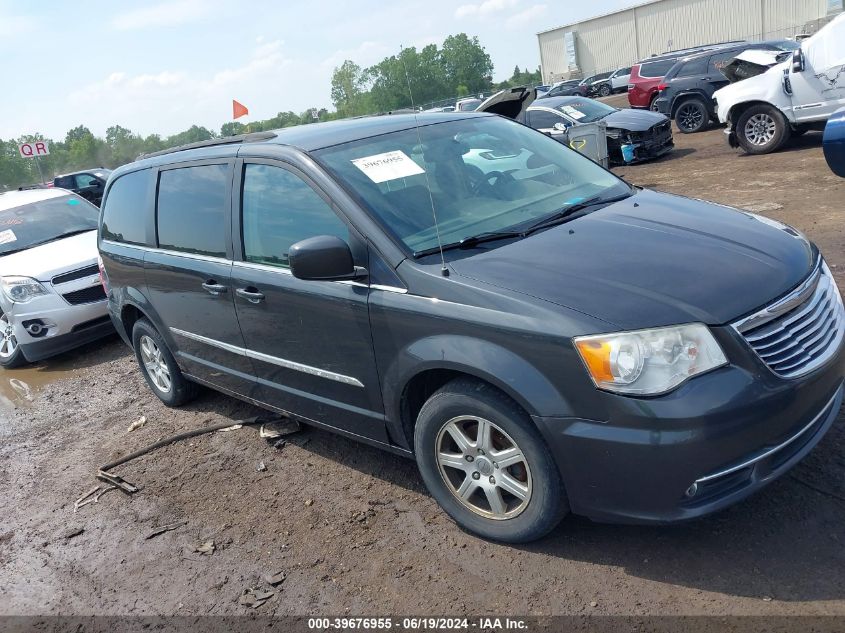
[466,63]
[349,93]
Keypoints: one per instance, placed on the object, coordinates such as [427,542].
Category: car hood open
[751,63]
[652,259]
[511,103]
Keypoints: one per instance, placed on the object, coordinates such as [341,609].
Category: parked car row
[602,84]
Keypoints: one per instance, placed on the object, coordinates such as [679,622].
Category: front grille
[76,274]
[86,295]
[801,331]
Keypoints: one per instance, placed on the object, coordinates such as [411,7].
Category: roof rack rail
[252,137]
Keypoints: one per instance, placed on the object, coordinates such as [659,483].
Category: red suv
[647,75]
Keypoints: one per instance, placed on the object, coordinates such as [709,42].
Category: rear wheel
[761,129]
[605,90]
[485,463]
[691,116]
[652,105]
[159,367]
[10,352]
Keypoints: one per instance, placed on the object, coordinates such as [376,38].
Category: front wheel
[11,355]
[761,129]
[486,464]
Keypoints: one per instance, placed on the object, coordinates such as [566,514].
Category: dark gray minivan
[540,335]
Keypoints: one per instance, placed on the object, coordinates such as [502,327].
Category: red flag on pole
[238,109]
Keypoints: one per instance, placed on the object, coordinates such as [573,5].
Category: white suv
[51,295]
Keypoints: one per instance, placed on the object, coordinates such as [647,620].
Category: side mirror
[561,127]
[797,60]
[833,142]
[323,258]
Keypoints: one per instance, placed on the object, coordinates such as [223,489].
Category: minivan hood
[634,120]
[45,261]
[652,259]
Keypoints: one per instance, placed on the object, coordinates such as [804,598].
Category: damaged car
[767,104]
[633,136]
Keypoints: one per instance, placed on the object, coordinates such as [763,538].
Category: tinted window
[695,66]
[125,210]
[541,120]
[63,182]
[280,209]
[656,69]
[192,203]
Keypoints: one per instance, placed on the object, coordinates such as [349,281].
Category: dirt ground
[353,528]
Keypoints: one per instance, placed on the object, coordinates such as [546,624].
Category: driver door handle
[250,294]
[214,288]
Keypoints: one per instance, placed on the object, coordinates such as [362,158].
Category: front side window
[85,180]
[125,210]
[279,210]
[29,225]
[482,173]
[542,120]
[191,210]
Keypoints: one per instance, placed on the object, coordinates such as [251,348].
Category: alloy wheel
[689,117]
[155,364]
[760,129]
[8,342]
[483,467]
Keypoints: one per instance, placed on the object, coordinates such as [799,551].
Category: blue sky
[158,67]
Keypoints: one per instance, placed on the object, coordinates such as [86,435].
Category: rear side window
[693,67]
[192,204]
[63,182]
[125,210]
[656,69]
[279,210]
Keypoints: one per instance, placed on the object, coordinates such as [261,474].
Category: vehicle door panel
[310,341]
[819,89]
[191,291]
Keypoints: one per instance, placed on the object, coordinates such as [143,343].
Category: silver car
[51,295]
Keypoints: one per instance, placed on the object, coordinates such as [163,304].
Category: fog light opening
[692,491]
[37,327]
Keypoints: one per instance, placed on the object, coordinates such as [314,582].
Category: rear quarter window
[125,209]
[656,69]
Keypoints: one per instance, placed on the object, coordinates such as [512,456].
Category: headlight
[649,362]
[21,289]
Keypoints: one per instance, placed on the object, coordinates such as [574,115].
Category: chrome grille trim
[801,331]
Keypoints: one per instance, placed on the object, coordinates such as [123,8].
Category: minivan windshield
[483,174]
[45,221]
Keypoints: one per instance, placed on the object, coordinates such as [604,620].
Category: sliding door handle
[250,294]
[214,288]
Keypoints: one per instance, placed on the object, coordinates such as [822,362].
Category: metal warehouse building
[624,37]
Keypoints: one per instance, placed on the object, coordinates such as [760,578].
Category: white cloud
[164,14]
[522,18]
[366,54]
[172,100]
[484,8]
[14,26]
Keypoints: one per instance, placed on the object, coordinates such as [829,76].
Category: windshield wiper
[560,216]
[471,241]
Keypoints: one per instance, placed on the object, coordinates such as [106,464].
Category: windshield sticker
[575,114]
[8,236]
[12,221]
[388,166]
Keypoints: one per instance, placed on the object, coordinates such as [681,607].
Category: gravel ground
[352,528]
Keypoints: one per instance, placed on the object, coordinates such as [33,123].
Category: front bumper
[714,441]
[662,105]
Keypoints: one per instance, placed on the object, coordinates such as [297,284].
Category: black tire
[15,358]
[652,105]
[605,90]
[691,116]
[761,129]
[468,400]
[180,390]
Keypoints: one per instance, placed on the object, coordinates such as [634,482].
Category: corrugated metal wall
[622,38]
